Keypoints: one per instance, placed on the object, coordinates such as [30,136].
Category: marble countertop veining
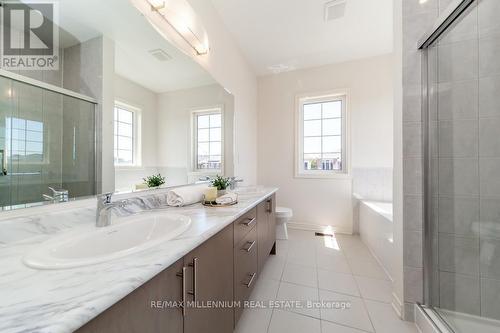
[61,301]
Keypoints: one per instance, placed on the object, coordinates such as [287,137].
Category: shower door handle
[3,172]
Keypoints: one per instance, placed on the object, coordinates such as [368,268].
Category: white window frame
[8,142]
[194,139]
[136,135]
[300,101]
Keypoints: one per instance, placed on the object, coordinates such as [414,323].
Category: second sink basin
[129,235]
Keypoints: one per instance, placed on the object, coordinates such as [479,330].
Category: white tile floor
[308,267]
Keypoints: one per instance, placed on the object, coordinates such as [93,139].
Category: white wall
[174,128]
[325,201]
[137,96]
[227,65]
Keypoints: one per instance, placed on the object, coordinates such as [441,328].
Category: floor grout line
[317,268]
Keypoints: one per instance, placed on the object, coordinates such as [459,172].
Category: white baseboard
[318,228]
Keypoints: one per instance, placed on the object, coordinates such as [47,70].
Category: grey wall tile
[414,7]
[458,100]
[489,138]
[488,13]
[458,61]
[459,293]
[459,215]
[490,217]
[489,48]
[412,176]
[490,258]
[413,213]
[489,98]
[412,68]
[490,294]
[458,138]
[412,139]
[412,103]
[459,254]
[490,177]
[413,284]
[458,177]
[413,241]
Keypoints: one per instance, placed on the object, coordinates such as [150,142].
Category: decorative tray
[215,204]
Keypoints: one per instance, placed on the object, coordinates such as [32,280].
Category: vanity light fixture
[157,4]
[176,15]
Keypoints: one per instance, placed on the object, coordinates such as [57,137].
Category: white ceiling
[133,37]
[292,34]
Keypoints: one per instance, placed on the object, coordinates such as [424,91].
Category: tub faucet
[104,209]
[58,195]
[233,182]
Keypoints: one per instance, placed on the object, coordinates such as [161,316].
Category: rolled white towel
[186,195]
[227,198]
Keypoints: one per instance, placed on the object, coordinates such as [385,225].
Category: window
[208,139]
[24,139]
[321,137]
[126,134]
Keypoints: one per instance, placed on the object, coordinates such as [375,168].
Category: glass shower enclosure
[47,139]
[461,72]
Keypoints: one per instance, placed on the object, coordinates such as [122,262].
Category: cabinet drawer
[244,224]
[245,268]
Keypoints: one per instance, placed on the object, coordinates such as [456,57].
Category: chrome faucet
[58,195]
[104,209]
[233,182]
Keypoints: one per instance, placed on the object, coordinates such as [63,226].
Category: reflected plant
[154,180]
[221,183]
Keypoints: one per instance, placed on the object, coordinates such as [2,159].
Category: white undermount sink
[96,245]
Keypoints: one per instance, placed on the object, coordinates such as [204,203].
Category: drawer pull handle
[269,208]
[193,293]
[182,275]
[249,247]
[252,277]
[249,222]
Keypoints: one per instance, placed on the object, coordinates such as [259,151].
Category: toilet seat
[284,212]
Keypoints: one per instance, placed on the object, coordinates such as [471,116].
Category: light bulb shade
[175,17]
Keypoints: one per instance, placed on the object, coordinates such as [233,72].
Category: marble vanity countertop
[63,300]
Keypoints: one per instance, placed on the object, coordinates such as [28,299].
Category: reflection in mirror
[123,104]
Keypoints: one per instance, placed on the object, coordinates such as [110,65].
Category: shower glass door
[463,174]
[47,139]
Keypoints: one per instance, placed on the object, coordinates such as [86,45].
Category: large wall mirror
[123,104]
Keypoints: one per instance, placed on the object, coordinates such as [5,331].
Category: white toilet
[283,215]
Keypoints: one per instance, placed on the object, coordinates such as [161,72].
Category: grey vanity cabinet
[209,278]
[137,313]
[245,268]
[222,269]
[266,230]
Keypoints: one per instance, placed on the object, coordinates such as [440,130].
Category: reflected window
[321,138]
[208,139]
[24,140]
[126,135]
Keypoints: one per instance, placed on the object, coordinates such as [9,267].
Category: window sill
[206,172]
[129,167]
[320,175]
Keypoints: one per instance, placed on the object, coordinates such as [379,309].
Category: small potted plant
[222,183]
[154,181]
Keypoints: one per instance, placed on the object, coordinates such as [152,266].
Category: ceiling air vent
[160,55]
[334,9]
